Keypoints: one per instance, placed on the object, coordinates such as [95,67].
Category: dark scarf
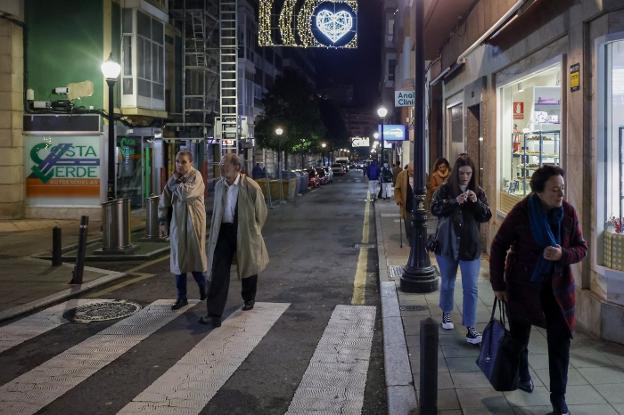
[542,224]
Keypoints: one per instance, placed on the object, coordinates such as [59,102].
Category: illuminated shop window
[530,132]
[611,153]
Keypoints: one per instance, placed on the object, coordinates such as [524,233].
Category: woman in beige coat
[238,216]
[183,200]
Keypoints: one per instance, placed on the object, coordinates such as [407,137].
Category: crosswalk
[333,383]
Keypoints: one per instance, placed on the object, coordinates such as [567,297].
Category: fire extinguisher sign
[518,110]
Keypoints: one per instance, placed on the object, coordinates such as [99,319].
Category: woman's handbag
[499,358]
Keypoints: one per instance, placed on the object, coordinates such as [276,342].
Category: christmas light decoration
[308,23]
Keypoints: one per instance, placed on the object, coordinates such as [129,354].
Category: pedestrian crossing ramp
[333,383]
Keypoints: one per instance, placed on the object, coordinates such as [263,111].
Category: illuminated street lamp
[278,132]
[111,70]
[323,146]
[381,113]
[418,275]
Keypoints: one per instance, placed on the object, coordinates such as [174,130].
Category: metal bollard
[152,228]
[82,251]
[428,367]
[56,247]
[116,222]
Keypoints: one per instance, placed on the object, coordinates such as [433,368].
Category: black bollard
[56,247]
[428,367]
[82,251]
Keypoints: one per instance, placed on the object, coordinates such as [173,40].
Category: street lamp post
[278,132]
[323,146]
[418,275]
[381,113]
[111,70]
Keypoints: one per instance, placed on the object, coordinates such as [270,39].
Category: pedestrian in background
[543,237]
[404,197]
[461,206]
[386,181]
[258,172]
[182,208]
[441,171]
[372,172]
[238,216]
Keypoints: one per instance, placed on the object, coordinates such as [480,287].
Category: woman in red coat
[535,278]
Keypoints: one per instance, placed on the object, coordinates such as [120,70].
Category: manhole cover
[103,311]
[413,307]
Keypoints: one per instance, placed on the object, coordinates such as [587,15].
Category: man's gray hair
[233,159]
[185,153]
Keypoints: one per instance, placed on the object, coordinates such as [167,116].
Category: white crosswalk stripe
[335,379]
[37,388]
[190,384]
[37,324]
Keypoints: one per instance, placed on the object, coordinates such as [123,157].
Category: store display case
[613,237]
[531,150]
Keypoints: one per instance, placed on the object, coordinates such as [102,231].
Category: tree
[292,105]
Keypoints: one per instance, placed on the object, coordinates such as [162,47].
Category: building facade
[519,84]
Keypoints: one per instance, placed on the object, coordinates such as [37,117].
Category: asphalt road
[314,245]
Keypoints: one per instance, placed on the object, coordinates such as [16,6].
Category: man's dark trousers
[221,265]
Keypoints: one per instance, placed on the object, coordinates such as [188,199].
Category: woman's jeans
[181,284]
[470,276]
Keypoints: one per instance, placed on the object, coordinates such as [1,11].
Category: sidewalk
[28,283]
[596,374]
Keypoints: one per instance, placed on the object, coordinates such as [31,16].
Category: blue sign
[393,132]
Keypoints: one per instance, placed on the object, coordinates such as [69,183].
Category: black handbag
[499,358]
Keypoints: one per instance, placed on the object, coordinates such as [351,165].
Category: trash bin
[152,230]
[116,226]
[304,181]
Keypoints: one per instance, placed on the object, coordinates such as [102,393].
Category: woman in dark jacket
[535,278]
[460,206]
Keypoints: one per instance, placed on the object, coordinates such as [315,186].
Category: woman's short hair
[185,153]
[462,160]
[541,176]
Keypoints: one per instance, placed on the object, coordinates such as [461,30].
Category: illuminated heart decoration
[334,25]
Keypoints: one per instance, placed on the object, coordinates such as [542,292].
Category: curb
[63,295]
[399,383]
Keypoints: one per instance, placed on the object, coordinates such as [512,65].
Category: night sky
[359,67]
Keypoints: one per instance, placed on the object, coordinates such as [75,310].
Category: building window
[390,31]
[391,69]
[143,60]
[611,157]
[530,132]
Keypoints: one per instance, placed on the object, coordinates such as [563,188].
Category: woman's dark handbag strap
[503,315]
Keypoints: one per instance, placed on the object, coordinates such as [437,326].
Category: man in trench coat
[239,213]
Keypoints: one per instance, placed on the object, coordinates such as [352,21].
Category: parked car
[321,175]
[338,169]
[313,178]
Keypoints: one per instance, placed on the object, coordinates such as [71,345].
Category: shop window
[530,132]
[612,153]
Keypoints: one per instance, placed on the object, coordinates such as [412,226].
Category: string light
[264,29]
[286,23]
[303,36]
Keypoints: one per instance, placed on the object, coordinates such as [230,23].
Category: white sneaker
[447,323]
[473,336]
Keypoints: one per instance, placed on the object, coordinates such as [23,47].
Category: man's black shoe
[559,405]
[249,305]
[211,321]
[202,295]
[179,304]
[526,385]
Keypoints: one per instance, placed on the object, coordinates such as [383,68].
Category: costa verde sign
[62,170]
